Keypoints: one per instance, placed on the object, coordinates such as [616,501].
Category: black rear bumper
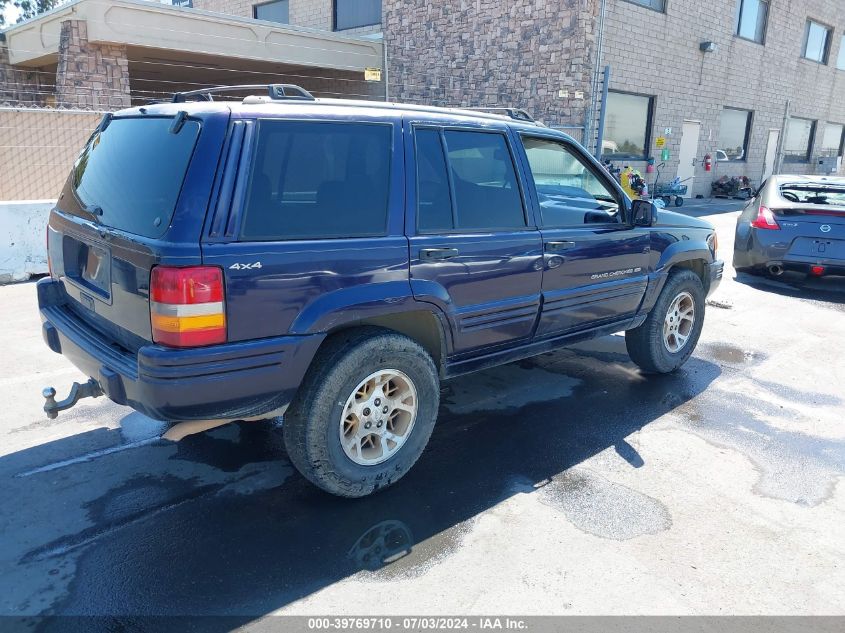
[229,381]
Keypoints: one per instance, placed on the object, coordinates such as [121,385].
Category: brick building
[755,84]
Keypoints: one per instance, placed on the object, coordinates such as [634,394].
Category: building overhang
[157,26]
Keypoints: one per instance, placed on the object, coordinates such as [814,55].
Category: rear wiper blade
[95,210]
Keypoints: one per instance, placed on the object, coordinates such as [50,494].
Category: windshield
[814,194]
[130,174]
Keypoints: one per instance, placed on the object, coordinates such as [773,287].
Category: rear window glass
[814,194]
[131,173]
[318,180]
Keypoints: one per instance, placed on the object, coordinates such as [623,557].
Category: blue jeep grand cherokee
[336,259]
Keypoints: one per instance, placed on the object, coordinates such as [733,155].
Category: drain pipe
[594,87]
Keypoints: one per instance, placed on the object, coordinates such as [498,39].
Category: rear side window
[466,181]
[318,180]
[131,173]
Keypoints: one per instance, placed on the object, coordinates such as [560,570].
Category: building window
[816,42]
[833,139]
[840,61]
[350,14]
[799,140]
[627,126]
[751,17]
[272,11]
[734,131]
[657,5]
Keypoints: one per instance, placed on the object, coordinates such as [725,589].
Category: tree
[25,9]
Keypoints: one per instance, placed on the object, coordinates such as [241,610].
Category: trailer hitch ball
[50,406]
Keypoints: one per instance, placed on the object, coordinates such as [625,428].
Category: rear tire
[656,346]
[335,434]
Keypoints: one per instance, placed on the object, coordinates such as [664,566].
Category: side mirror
[643,213]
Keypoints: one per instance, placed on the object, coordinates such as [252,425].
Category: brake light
[765,219]
[187,307]
[818,271]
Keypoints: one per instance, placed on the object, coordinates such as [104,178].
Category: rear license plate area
[88,265]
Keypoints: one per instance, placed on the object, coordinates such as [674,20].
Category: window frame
[642,3]
[840,57]
[597,171]
[841,148]
[335,27]
[250,155]
[652,101]
[788,158]
[263,4]
[441,129]
[762,41]
[826,53]
[746,141]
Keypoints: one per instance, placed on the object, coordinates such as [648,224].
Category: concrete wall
[23,251]
[38,148]
[658,54]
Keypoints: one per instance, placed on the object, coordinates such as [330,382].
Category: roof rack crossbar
[515,113]
[277,92]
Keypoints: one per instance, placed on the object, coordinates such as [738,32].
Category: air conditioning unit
[828,164]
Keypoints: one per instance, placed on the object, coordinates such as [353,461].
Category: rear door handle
[555,247]
[438,253]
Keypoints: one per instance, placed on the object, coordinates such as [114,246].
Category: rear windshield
[131,173]
[318,180]
[814,194]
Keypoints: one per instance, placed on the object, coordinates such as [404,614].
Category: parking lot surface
[565,484]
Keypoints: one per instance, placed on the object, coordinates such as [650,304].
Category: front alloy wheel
[679,321]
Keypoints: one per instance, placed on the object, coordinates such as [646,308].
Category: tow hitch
[90,389]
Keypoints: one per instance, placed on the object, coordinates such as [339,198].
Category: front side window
[816,42]
[832,139]
[318,180]
[799,140]
[657,5]
[276,11]
[569,192]
[751,20]
[466,181]
[734,130]
[350,14]
[627,127]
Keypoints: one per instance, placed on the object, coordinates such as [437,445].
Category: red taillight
[765,219]
[818,271]
[186,306]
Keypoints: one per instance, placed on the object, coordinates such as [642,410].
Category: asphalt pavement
[564,484]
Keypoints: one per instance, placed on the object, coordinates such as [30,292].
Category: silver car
[793,223]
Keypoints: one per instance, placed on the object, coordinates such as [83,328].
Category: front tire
[364,412]
[668,336]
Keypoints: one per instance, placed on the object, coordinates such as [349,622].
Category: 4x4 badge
[825,228]
[245,266]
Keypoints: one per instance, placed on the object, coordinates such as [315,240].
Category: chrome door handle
[556,247]
[438,253]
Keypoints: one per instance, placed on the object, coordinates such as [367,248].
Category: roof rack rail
[277,92]
[517,114]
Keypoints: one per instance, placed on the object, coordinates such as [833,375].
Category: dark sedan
[794,223]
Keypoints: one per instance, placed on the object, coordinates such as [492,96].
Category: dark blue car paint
[500,299]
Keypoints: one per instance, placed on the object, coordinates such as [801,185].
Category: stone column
[90,76]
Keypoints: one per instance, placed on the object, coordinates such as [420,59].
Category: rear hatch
[813,213]
[136,197]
